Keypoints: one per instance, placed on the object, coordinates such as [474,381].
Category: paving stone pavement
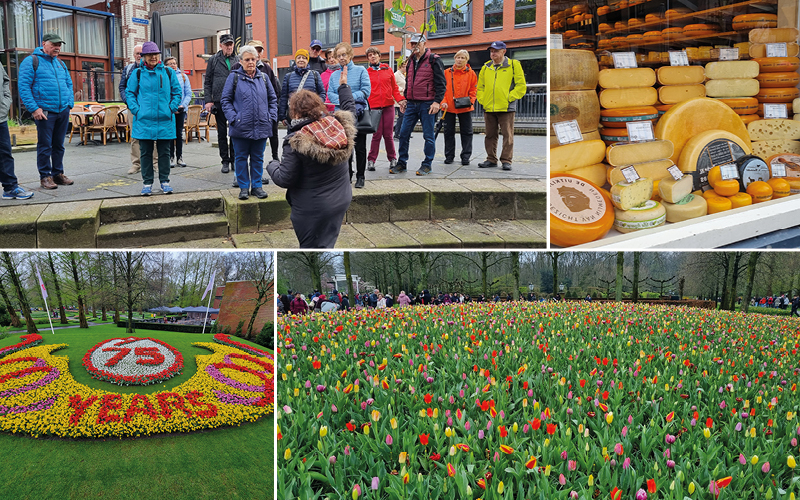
[100,172]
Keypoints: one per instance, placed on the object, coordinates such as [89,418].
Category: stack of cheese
[628,95]
[778,75]
[735,84]
[772,137]
[680,83]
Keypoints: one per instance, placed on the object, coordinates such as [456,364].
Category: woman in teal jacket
[154,95]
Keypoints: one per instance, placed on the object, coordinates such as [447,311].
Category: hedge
[166,327]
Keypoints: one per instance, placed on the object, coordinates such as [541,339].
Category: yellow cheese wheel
[714,176]
[726,187]
[581,105]
[580,211]
[710,194]
[652,36]
[680,75]
[690,207]
[723,70]
[732,87]
[635,38]
[673,94]
[741,105]
[604,27]
[708,149]
[750,21]
[777,64]
[628,97]
[780,95]
[757,50]
[696,30]
[690,118]
[749,118]
[672,33]
[619,117]
[718,204]
[602,11]
[596,174]
[630,153]
[577,154]
[646,216]
[775,35]
[655,170]
[780,187]
[610,135]
[778,80]
[740,200]
[573,70]
[614,78]
[649,18]
[760,191]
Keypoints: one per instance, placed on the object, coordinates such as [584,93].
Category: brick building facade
[237,303]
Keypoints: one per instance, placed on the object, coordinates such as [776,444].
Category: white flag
[41,284]
[209,287]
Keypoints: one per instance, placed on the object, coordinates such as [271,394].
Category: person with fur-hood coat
[315,165]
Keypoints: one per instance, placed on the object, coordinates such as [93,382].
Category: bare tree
[11,269]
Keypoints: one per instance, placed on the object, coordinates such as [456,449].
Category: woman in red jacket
[384,94]
[461,82]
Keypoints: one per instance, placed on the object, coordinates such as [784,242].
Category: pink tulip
[765,467]
[389,439]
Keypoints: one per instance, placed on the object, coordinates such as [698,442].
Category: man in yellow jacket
[501,84]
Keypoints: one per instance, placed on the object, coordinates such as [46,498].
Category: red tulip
[423,439]
[651,485]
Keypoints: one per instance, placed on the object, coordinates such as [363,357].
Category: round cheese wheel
[709,194]
[581,105]
[652,37]
[619,117]
[635,38]
[791,163]
[611,135]
[751,168]
[695,30]
[571,34]
[673,32]
[604,28]
[778,80]
[779,95]
[718,204]
[741,105]
[714,176]
[749,118]
[634,21]
[573,70]
[620,25]
[646,216]
[707,150]
[777,64]
[614,78]
[649,18]
[587,136]
[580,211]
[673,94]
[663,108]
[602,11]
[727,187]
[760,191]
[757,50]
[780,35]
[690,207]
[680,75]
[750,21]
[677,11]
[780,187]
[740,200]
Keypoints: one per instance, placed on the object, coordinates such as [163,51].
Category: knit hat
[301,52]
[150,48]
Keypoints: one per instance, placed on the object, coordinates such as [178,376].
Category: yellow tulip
[591,480]
[791,462]
[287,454]
[403,456]
[691,487]
[754,460]
[609,418]
[706,433]
[500,488]
[393,422]
[323,431]
[366,430]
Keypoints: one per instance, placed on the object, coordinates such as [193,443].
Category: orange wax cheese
[726,187]
[621,116]
[741,105]
[580,211]
[779,95]
[778,80]
[758,50]
[749,118]
[750,21]
[760,191]
[718,204]
[740,200]
[628,97]
[780,187]
[777,64]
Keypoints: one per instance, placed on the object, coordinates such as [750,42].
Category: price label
[640,131]
[776,50]
[678,58]
[624,60]
[729,54]
[775,111]
[556,41]
[630,173]
[675,172]
[778,169]
[567,132]
[729,172]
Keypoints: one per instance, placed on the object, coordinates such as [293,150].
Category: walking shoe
[506,166]
[392,164]
[398,168]
[134,170]
[47,183]
[172,163]
[259,193]
[17,194]
[448,161]
[371,166]
[243,194]
[165,188]
[235,183]
[424,170]
[147,190]
[181,163]
[225,167]
[63,180]
[487,164]
[359,182]
[465,162]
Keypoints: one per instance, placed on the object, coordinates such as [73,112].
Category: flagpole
[209,303]
[44,298]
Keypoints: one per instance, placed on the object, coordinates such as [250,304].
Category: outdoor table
[87,115]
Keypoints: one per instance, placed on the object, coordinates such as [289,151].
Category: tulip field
[571,400]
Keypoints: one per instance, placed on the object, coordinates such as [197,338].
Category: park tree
[132,283]
[620,275]
[73,260]
[62,313]
[11,270]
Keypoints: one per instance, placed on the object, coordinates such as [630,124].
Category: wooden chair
[104,121]
[209,122]
[124,123]
[193,122]
[78,123]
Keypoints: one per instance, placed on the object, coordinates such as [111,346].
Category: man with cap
[217,70]
[45,88]
[316,61]
[501,83]
[425,89]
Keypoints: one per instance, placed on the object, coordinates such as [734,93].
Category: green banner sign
[398,18]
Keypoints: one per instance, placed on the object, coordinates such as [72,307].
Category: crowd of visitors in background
[777,301]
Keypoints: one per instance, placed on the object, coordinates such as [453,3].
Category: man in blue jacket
[45,88]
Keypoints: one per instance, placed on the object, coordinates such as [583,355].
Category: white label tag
[776,50]
[729,172]
[678,58]
[630,173]
[567,132]
[556,42]
[624,60]
[640,131]
[775,111]
[729,54]
[675,172]
[778,169]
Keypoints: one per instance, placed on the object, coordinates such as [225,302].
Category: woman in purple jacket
[250,105]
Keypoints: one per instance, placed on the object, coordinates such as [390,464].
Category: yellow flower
[393,422]
[289,367]
[287,454]
[403,456]
[791,462]
[591,480]
[500,488]
[754,460]
[609,418]
[691,487]
[323,431]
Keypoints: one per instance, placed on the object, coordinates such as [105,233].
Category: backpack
[139,78]
[35,63]
[236,81]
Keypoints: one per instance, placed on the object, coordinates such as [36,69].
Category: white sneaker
[172,163]
[371,166]
[181,163]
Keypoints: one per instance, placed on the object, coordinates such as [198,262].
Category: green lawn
[234,462]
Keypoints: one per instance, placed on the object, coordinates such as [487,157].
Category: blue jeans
[7,177]
[244,149]
[51,134]
[418,110]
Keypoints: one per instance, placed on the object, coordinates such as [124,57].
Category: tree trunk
[78,292]
[129,290]
[635,291]
[734,282]
[515,272]
[398,279]
[62,313]
[620,275]
[751,275]
[23,301]
[423,266]
[349,275]
[114,287]
[316,272]
[249,331]
[554,260]
[15,322]
[681,283]
[728,266]
[484,271]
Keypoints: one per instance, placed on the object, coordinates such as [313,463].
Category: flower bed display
[29,340]
[133,361]
[225,339]
[522,401]
[39,396]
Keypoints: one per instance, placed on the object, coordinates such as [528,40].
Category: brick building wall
[133,33]
[238,303]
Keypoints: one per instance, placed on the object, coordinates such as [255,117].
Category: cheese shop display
[719,85]
[580,211]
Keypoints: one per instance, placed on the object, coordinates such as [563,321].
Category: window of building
[356,25]
[283,10]
[60,22]
[92,35]
[248,8]
[325,22]
[456,22]
[210,45]
[377,23]
[248,32]
[525,13]
[493,12]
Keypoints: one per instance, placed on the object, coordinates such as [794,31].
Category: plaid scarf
[327,131]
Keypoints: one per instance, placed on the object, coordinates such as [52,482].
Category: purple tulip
[641,494]
[389,440]
[669,439]
[480,434]
[375,482]
[671,464]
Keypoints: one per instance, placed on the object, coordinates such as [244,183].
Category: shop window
[377,23]
[92,35]
[525,13]
[60,22]
[493,14]
[356,25]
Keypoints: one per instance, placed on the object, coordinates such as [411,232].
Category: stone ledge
[18,225]
[69,225]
